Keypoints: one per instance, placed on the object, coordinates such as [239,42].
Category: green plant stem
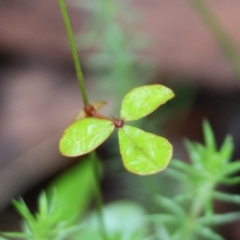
[86,103]
[225,42]
[74,51]
[98,195]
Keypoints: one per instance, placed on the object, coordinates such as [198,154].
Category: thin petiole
[86,104]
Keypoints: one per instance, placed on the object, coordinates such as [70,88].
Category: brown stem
[91,112]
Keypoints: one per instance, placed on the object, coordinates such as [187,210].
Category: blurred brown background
[40,95]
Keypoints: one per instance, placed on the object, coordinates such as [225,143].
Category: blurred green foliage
[188,215]
[65,200]
[113,46]
[183,213]
[227,45]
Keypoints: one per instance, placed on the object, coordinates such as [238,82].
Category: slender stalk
[98,195]
[86,103]
[74,51]
[222,37]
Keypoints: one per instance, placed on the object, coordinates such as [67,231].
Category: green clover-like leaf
[143,153]
[143,100]
[85,135]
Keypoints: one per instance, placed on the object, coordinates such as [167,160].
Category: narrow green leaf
[208,233]
[231,168]
[176,174]
[16,235]
[22,209]
[170,205]
[219,219]
[227,149]
[194,155]
[143,100]
[209,137]
[226,197]
[43,205]
[230,181]
[85,135]
[143,153]
[184,167]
